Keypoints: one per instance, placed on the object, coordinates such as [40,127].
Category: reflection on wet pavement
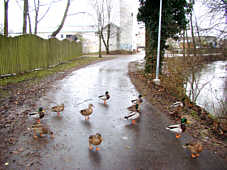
[146,145]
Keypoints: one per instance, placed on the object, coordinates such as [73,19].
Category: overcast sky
[54,16]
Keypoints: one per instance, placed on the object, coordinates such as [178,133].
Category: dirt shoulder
[201,127]
[20,100]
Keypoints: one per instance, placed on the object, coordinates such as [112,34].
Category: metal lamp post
[157,80]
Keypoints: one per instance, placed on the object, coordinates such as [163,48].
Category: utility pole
[157,80]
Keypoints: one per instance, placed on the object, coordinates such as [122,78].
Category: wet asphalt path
[146,145]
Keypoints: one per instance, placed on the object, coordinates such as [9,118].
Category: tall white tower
[127,25]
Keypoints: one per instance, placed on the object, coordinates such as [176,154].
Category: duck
[132,116]
[178,128]
[58,109]
[41,130]
[95,140]
[105,97]
[38,115]
[195,148]
[87,112]
[177,104]
[138,101]
[134,108]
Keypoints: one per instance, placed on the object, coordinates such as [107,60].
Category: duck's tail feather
[127,117]
[33,113]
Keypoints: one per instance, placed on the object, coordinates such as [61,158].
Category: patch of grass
[46,72]
[212,117]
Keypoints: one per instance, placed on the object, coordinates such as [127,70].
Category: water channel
[212,85]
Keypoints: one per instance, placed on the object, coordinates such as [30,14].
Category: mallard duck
[87,112]
[195,148]
[38,115]
[105,97]
[58,109]
[41,130]
[177,104]
[138,101]
[132,116]
[179,128]
[134,108]
[95,140]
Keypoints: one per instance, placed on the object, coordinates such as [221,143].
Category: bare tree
[103,9]
[109,14]
[6,6]
[25,16]
[36,5]
[38,18]
[63,20]
[216,12]
[99,9]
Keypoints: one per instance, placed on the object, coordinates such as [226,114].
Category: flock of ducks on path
[134,113]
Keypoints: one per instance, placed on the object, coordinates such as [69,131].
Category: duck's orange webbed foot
[35,136]
[133,122]
[193,155]
[178,136]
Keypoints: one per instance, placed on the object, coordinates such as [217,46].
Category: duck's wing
[103,97]
[54,108]
[83,110]
[134,101]
[174,128]
[90,139]
[133,115]
[33,113]
[132,108]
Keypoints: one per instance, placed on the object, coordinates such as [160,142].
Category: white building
[124,27]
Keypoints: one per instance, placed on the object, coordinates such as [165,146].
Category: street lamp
[157,80]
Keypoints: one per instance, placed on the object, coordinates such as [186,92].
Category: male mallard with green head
[38,115]
[105,97]
[132,116]
[138,101]
[134,108]
[178,128]
[95,140]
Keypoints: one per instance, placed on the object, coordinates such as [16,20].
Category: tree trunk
[100,44]
[108,39]
[25,14]
[63,20]
[188,44]
[184,44]
[105,42]
[6,3]
[36,15]
[29,22]
[192,32]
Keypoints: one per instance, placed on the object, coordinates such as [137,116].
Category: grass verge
[41,74]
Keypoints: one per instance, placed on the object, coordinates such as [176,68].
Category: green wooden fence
[28,52]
